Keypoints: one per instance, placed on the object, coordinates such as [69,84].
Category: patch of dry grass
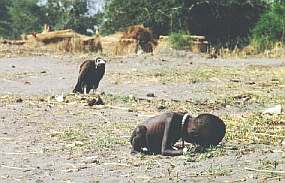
[255,128]
[108,136]
[260,75]
[194,155]
[16,75]
[276,50]
[103,137]
[73,138]
[167,75]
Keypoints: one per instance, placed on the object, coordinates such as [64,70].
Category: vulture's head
[100,63]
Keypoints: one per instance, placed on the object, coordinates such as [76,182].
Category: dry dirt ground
[43,139]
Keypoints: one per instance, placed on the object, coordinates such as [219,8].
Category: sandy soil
[44,140]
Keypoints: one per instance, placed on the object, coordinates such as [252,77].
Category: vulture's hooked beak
[100,61]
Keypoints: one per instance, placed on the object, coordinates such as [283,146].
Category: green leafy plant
[270,29]
[180,41]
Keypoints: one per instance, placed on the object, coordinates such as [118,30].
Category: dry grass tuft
[256,128]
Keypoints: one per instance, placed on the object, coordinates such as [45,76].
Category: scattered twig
[111,107]
[5,138]
[8,177]
[265,171]
[118,164]
[17,168]
[19,153]
[158,163]
[147,115]
[147,179]
[126,136]
[231,181]
[265,134]
[143,177]
[116,107]
[270,179]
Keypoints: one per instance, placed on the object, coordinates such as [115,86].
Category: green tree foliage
[56,14]
[25,16]
[160,15]
[4,18]
[271,27]
[66,14]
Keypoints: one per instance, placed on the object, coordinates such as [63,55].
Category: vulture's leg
[88,88]
[94,91]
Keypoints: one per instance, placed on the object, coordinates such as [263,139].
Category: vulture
[90,74]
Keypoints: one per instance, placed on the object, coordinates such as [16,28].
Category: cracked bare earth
[43,139]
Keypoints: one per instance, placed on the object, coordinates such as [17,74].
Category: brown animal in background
[147,47]
[159,133]
[143,35]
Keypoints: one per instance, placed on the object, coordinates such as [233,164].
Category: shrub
[180,41]
[270,29]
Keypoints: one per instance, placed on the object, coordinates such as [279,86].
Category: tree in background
[160,16]
[25,16]
[55,14]
[270,28]
[67,14]
[4,18]
[78,19]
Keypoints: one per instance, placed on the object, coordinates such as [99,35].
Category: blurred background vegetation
[227,23]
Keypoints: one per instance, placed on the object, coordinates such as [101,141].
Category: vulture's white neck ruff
[100,61]
[184,119]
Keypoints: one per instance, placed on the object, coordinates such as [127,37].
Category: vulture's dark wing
[82,65]
[86,73]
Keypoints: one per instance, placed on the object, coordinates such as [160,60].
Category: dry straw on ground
[65,40]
